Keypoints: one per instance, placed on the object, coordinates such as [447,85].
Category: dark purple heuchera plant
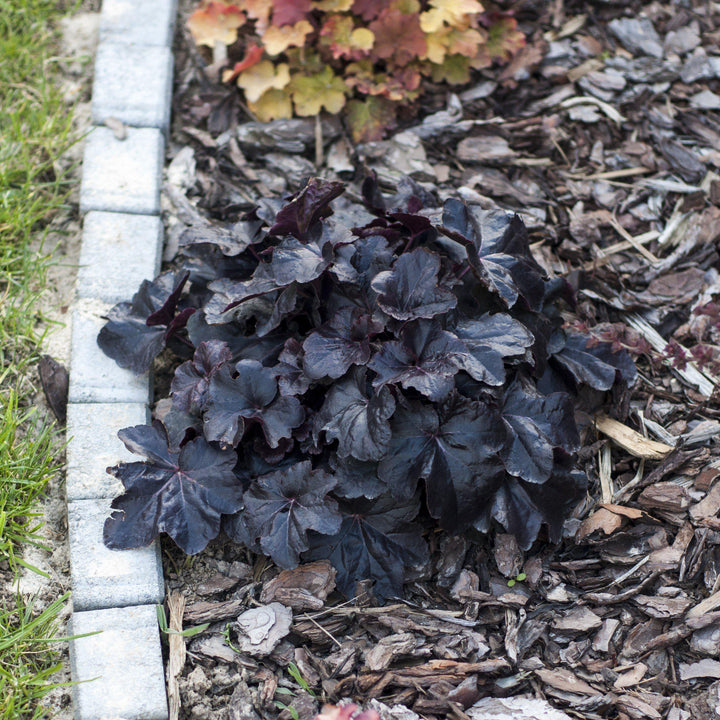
[351,380]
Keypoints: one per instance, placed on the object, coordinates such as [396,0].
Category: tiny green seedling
[518,578]
[188,632]
[282,706]
[296,675]
[228,641]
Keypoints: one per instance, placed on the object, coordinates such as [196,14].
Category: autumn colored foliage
[366,57]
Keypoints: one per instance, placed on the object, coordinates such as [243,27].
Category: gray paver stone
[104,578]
[120,670]
[122,175]
[144,22]
[94,446]
[119,251]
[133,83]
[94,377]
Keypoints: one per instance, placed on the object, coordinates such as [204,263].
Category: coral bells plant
[348,381]
[365,56]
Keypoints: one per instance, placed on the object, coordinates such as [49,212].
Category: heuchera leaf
[288,12]
[522,508]
[455,452]
[289,371]
[341,343]
[357,417]
[448,12]
[306,208]
[339,33]
[488,342]
[272,105]
[504,39]
[263,349]
[368,9]
[253,55]
[128,338]
[281,507]
[498,251]
[312,93]
[537,424]
[398,36]
[292,262]
[279,39]
[248,397]
[183,494]
[424,360]
[261,77]
[190,383]
[356,478]
[594,363]
[410,290]
[376,541]
[216,22]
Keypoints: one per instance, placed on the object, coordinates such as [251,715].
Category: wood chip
[631,677]
[563,679]
[303,588]
[579,619]
[631,440]
[262,628]
[176,660]
[380,655]
[708,506]
[707,605]
[702,669]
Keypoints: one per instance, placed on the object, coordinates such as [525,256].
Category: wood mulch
[604,134]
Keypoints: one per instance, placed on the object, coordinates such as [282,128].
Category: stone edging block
[122,175]
[94,446]
[104,578]
[94,377]
[142,22]
[133,83]
[119,251]
[119,671]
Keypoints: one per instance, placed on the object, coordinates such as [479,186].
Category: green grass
[27,660]
[35,129]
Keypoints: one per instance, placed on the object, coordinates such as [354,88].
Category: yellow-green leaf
[311,93]
[362,39]
[448,12]
[273,105]
[279,39]
[369,119]
[332,5]
[262,77]
[455,70]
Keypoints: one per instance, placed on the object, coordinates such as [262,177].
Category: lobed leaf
[183,494]
[376,541]
[216,21]
[281,507]
[357,418]
[410,290]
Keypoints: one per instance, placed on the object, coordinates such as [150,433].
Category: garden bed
[603,137]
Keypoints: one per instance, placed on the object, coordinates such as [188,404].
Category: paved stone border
[118,668]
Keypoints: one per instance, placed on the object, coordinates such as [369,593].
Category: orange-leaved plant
[298,57]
